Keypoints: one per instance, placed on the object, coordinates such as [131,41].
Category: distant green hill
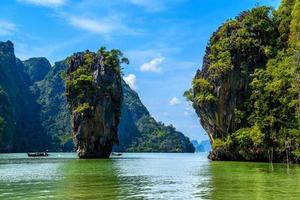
[46,119]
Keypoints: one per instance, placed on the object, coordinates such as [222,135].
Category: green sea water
[144,176]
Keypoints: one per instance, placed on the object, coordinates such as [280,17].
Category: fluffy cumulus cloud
[7,28]
[174,101]
[47,3]
[130,79]
[152,65]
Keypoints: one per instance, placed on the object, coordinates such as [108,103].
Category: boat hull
[38,154]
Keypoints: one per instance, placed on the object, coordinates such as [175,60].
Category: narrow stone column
[94,94]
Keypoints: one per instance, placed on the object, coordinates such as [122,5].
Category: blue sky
[164,40]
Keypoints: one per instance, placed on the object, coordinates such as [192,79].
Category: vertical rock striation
[94,94]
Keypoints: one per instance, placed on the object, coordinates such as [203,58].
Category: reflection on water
[242,180]
[143,176]
[88,179]
[134,176]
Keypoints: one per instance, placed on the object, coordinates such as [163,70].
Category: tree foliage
[157,137]
[80,82]
[203,90]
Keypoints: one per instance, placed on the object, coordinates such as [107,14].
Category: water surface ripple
[144,176]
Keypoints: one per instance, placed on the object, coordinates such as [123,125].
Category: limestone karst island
[150,99]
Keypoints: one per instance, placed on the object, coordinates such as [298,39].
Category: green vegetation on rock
[156,137]
[81,83]
[37,68]
[54,113]
[204,91]
[251,71]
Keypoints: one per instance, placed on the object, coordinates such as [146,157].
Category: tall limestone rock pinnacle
[94,94]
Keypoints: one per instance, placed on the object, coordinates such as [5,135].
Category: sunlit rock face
[221,87]
[94,94]
[234,93]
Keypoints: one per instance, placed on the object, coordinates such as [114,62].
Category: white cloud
[7,28]
[103,26]
[92,25]
[152,65]
[46,3]
[156,5]
[174,101]
[151,5]
[130,79]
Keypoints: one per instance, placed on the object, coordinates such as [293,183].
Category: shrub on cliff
[80,82]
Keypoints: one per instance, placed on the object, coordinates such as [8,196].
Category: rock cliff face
[225,74]
[233,94]
[94,93]
[22,127]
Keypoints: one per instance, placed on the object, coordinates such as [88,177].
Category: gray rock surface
[95,127]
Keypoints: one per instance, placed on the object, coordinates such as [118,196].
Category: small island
[247,94]
[94,94]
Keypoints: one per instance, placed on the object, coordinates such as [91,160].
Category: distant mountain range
[203,146]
